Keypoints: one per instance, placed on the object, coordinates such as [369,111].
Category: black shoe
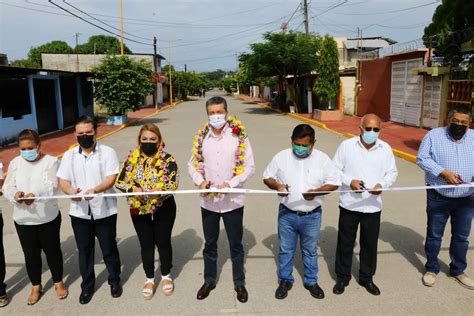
[242,294]
[116,290]
[282,290]
[339,287]
[315,291]
[85,297]
[370,287]
[205,290]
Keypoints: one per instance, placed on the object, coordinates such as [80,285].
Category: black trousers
[3,286]
[85,232]
[33,239]
[155,231]
[233,223]
[369,234]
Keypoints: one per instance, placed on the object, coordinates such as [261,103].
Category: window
[15,100]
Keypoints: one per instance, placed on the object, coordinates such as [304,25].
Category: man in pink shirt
[222,158]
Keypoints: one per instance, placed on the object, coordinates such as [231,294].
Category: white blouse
[39,178]
[1,178]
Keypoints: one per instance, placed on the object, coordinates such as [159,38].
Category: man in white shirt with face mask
[303,175]
[366,164]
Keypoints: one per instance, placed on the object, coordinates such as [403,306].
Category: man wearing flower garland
[222,158]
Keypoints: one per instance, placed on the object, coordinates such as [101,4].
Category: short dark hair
[302,131]
[215,101]
[29,134]
[85,119]
[464,109]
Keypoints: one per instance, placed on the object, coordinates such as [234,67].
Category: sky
[204,34]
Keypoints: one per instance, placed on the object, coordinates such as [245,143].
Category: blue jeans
[307,227]
[439,209]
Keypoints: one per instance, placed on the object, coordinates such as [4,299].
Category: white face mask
[217,121]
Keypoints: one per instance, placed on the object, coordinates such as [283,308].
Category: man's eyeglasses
[375,129]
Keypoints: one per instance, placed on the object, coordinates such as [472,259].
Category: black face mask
[457,131]
[85,141]
[148,149]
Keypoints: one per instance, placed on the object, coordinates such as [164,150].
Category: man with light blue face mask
[367,164]
[300,173]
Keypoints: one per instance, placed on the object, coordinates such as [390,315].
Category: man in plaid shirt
[447,156]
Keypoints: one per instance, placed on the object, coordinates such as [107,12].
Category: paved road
[401,255]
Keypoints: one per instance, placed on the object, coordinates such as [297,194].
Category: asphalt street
[400,258]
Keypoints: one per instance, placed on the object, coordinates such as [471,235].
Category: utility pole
[307,81]
[121,27]
[77,53]
[237,69]
[169,72]
[155,67]
[306,21]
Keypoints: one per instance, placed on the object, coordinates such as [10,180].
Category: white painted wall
[348,95]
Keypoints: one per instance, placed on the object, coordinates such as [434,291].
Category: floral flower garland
[143,204]
[238,130]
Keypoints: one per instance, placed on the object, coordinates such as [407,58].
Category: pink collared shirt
[219,161]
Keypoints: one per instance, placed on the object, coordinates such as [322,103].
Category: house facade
[86,62]
[42,100]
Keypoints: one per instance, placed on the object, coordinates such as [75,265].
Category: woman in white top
[3,286]
[37,221]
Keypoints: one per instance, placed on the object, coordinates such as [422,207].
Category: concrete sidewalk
[404,139]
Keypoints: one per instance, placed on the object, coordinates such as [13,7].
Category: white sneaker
[465,281]
[429,279]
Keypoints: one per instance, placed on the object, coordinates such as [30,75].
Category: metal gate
[431,101]
[406,92]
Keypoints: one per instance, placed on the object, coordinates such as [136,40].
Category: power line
[334,6]
[235,33]
[107,24]
[294,12]
[98,26]
[152,22]
[393,11]
[402,27]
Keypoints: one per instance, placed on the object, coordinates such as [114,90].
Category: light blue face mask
[370,137]
[301,151]
[29,155]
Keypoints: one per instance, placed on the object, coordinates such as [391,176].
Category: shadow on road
[130,257]
[151,120]
[185,247]
[327,247]
[18,281]
[223,249]
[408,243]
[261,111]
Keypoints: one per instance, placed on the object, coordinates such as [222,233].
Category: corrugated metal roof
[366,43]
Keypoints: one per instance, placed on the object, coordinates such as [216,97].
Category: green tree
[102,44]
[121,84]
[327,83]
[58,47]
[452,25]
[188,83]
[24,63]
[283,54]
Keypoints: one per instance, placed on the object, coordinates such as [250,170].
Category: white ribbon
[245,191]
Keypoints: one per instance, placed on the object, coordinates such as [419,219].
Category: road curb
[396,152]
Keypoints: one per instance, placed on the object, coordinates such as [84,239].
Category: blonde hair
[151,128]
